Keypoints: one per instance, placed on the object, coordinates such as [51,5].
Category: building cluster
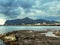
[43,24]
[47,24]
[36,24]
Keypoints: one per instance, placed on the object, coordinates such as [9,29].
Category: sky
[34,9]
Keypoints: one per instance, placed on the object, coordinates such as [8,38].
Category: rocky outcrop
[29,37]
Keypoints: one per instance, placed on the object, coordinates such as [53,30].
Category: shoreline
[27,35]
[29,25]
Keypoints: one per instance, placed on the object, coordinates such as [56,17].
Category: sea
[5,29]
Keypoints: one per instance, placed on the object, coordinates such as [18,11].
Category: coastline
[27,36]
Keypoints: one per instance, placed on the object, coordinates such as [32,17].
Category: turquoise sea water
[4,29]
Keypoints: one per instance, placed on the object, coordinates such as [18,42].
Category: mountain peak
[26,18]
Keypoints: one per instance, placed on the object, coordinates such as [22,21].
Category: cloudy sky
[34,9]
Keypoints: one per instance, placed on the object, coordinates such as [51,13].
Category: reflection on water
[1,42]
[50,34]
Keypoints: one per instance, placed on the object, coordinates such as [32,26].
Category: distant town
[36,24]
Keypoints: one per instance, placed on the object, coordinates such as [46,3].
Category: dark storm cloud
[30,8]
[9,7]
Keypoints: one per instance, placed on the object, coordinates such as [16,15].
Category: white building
[38,24]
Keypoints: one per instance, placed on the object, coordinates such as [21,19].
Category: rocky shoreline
[28,37]
[57,32]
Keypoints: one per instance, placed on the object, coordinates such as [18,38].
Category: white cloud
[37,3]
[52,8]
[34,9]
[2,21]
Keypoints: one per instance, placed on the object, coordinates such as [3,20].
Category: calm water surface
[4,29]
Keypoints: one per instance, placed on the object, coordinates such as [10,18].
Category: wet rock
[29,37]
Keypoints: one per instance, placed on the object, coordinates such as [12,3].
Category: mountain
[26,21]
